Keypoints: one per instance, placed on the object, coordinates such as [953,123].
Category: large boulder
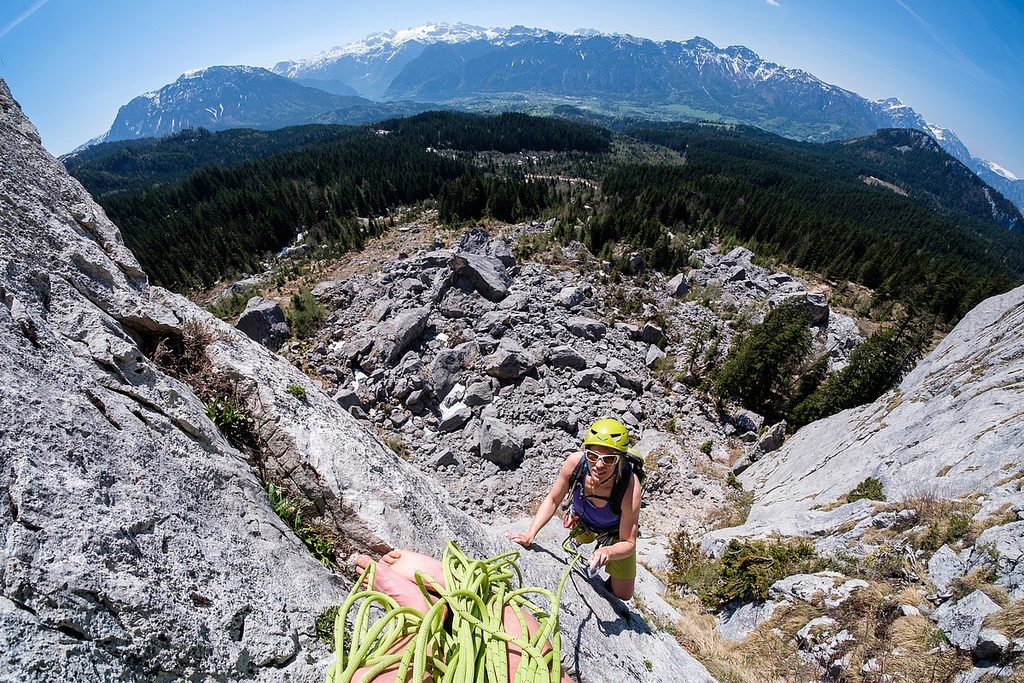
[392,337]
[486,275]
[509,361]
[263,321]
[497,443]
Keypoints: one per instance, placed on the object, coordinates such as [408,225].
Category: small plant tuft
[305,315]
[395,443]
[870,488]
[317,537]
[324,625]
[225,414]
[297,391]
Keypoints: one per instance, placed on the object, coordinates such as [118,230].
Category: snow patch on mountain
[999,170]
[377,44]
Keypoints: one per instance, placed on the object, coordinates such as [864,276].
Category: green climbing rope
[461,638]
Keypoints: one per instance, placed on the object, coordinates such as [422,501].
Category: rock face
[950,428]
[139,544]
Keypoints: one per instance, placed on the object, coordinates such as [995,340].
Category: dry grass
[733,513]
[770,651]
[1009,620]
[763,657]
[919,653]
[1004,515]
[886,647]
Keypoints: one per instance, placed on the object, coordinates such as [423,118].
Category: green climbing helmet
[608,432]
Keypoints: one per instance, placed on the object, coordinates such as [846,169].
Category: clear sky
[72,63]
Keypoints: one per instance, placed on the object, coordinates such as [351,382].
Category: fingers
[598,558]
[521,539]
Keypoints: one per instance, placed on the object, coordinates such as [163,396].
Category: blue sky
[71,63]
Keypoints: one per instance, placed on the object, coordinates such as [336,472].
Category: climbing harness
[461,638]
[632,464]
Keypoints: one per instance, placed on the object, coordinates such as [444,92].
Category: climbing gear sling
[633,463]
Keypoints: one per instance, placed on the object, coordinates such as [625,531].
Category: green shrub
[316,537]
[305,315]
[297,391]
[870,488]
[324,625]
[233,305]
[706,447]
[745,571]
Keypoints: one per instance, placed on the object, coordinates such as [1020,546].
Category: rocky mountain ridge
[593,74]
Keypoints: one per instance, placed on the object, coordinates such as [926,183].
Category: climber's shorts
[623,570]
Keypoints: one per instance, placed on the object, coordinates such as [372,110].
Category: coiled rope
[461,638]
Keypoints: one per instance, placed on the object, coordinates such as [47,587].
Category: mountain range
[607,77]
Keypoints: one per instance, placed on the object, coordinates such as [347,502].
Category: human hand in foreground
[598,559]
[524,540]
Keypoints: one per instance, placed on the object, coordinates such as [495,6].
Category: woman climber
[604,484]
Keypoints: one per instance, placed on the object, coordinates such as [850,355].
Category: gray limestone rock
[944,566]
[449,364]
[510,361]
[1007,543]
[586,328]
[347,398]
[478,394]
[654,357]
[391,337]
[566,357]
[497,443]
[946,427]
[735,624]
[962,620]
[454,418]
[678,286]
[651,333]
[263,321]
[486,275]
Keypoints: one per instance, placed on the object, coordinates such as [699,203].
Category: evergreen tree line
[197,206]
[474,196]
[509,133]
[197,218]
[878,239]
[219,221]
[128,165]
[770,369]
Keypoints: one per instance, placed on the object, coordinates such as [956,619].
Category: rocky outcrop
[139,544]
[951,428]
